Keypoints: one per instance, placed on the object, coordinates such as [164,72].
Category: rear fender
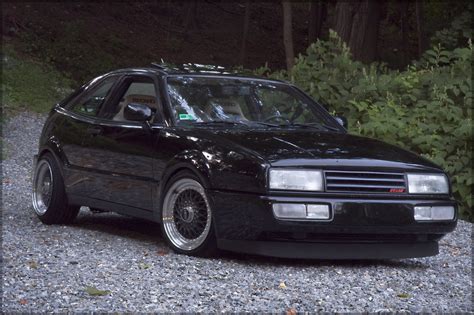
[53,147]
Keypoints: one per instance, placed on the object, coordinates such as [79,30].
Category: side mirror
[137,112]
[342,121]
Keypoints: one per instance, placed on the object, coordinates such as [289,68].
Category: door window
[91,102]
[137,90]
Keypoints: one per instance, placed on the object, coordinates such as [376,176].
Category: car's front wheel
[49,195]
[186,216]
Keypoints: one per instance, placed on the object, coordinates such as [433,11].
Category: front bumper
[360,228]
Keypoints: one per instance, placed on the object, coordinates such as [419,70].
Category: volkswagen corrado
[239,163]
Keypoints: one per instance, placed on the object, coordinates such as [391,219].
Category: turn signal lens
[320,212]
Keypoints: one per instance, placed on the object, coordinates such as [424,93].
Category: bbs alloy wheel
[49,195]
[187,217]
[42,187]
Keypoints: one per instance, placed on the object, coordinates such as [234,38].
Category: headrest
[141,99]
[222,107]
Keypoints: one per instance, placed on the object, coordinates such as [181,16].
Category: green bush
[426,109]
[29,84]
[458,33]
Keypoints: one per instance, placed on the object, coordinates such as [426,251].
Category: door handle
[94,130]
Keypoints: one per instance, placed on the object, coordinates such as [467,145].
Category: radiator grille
[368,182]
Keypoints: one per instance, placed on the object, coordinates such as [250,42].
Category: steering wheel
[277,117]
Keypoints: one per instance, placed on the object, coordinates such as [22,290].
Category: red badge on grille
[397,190]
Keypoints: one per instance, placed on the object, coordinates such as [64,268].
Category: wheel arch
[57,154]
[187,161]
[181,166]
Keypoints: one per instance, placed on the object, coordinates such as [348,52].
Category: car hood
[313,148]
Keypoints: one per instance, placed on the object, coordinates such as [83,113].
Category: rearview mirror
[137,112]
[342,121]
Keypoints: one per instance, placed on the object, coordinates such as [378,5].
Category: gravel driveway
[48,268]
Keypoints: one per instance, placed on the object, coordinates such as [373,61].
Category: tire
[49,195]
[186,217]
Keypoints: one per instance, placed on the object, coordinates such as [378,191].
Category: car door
[121,153]
[77,120]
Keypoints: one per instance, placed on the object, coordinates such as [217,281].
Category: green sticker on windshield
[186,117]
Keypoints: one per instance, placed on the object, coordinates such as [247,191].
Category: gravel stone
[47,268]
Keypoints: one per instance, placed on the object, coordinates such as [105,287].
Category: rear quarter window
[90,102]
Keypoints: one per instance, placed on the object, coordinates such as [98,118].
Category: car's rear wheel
[187,217]
[49,195]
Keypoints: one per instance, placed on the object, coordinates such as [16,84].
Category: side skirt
[113,207]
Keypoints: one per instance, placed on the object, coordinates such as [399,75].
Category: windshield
[236,101]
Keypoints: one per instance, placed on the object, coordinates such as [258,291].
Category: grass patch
[29,85]
[3,150]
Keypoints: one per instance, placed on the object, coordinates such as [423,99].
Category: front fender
[191,160]
[221,165]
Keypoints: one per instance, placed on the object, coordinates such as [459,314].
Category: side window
[69,100]
[90,103]
[137,90]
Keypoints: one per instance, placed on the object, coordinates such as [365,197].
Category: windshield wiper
[265,124]
[312,125]
[219,122]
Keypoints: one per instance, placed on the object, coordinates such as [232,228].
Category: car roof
[192,69]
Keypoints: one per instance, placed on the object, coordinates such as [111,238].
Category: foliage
[458,33]
[74,49]
[426,109]
[26,83]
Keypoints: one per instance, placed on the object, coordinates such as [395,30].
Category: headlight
[427,184]
[296,179]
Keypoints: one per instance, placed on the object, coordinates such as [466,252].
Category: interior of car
[137,92]
[224,108]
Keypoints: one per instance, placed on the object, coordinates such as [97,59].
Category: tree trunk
[357,23]
[243,47]
[287,35]
[404,30]
[190,18]
[365,31]
[420,27]
[345,11]
[317,15]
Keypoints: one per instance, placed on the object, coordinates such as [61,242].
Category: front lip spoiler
[309,250]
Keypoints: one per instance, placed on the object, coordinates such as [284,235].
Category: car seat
[224,108]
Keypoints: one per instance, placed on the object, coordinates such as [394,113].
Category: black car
[239,163]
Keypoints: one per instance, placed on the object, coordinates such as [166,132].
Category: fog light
[434,213]
[320,212]
[300,211]
[289,210]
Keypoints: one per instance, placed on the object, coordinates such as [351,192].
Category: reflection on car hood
[313,148]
